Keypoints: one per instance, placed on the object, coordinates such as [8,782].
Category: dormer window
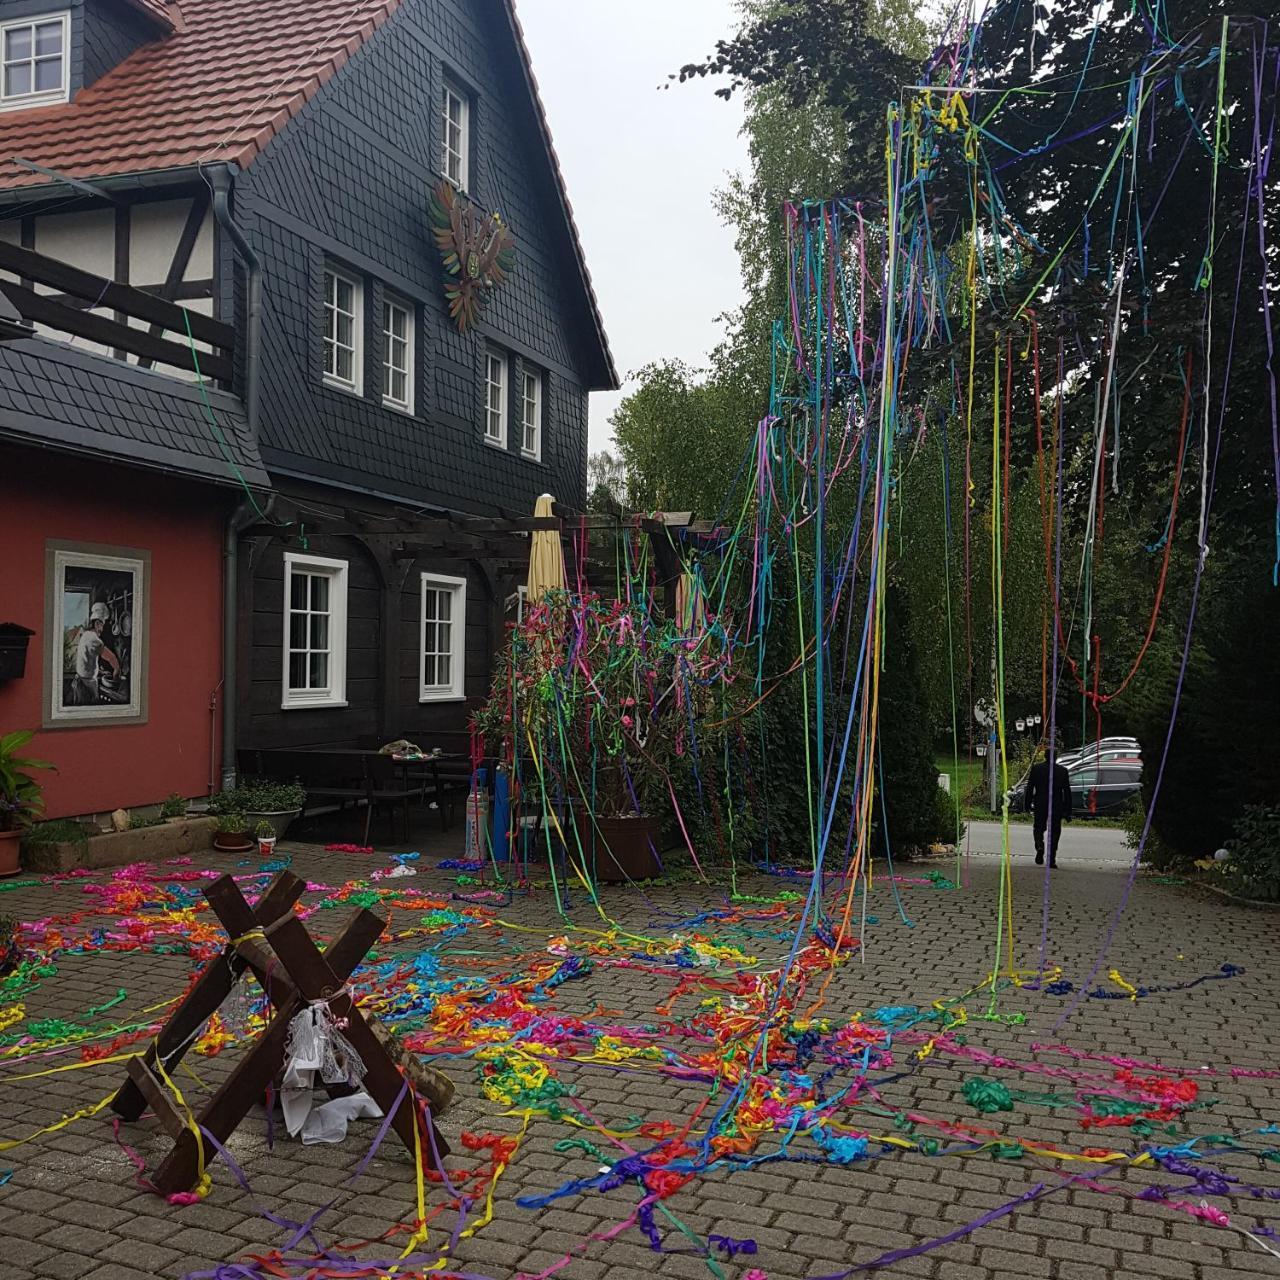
[35,61]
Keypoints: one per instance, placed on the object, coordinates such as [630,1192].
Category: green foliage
[140,822]
[174,807]
[264,830]
[58,831]
[1253,870]
[260,797]
[21,796]
[682,436]
[233,824]
[1155,853]
[917,810]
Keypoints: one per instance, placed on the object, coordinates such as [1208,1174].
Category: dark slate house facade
[286,196]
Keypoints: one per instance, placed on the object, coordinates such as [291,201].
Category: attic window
[455,138]
[35,61]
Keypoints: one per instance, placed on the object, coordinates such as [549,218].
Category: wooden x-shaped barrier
[271,942]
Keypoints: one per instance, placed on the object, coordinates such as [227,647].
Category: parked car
[1098,787]
[1104,747]
[1101,789]
[1099,755]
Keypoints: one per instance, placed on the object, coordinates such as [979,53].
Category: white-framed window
[343,329]
[495,398]
[315,632]
[455,136]
[531,413]
[36,62]
[443,638]
[397,354]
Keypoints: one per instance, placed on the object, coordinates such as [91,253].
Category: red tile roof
[226,76]
[217,91]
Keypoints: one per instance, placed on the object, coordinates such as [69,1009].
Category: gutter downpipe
[220,182]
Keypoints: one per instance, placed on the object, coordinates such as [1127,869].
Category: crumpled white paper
[311,1061]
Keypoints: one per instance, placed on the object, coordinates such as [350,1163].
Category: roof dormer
[51,49]
[35,56]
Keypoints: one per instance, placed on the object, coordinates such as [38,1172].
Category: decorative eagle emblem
[479,251]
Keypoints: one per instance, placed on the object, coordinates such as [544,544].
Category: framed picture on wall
[97,619]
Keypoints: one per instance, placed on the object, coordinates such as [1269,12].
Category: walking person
[1048,789]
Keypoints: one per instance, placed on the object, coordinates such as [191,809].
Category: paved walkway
[1083,843]
[72,1208]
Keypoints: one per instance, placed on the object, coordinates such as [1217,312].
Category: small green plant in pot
[277,802]
[266,834]
[21,796]
[232,835]
[10,943]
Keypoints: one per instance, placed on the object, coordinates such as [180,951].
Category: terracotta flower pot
[232,841]
[9,864]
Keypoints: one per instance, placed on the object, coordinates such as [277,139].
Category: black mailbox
[13,650]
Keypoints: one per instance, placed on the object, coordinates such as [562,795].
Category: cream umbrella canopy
[546,555]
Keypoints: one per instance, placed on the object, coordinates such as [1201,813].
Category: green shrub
[1155,853]
[1253,869]
[174,807]
[140,822]
[232,824]
[259,797]
[58,831]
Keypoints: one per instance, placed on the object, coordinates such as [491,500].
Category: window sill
[405,410]
[530,457]
[347,388]
[496,444]
[425,698]
[312,704]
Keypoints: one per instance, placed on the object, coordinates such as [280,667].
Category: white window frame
[454,94]
[335,695]
[454,691]
[392,303]
[36,98]
[529,374]
[355,385]
[492,355]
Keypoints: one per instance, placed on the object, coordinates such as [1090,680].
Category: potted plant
[10,943]
[21,798]
[589,709]
[174,809]
[278,803]
[232,835]
[266,834]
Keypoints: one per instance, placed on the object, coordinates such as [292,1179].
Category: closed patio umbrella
[546,555]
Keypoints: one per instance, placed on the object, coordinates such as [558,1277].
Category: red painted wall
[45,495]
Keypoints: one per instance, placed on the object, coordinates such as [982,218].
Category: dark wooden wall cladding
[347,183]
[383,680]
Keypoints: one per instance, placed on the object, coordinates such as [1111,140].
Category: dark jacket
[1038,793]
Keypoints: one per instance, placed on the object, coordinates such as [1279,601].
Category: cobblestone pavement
[72,1207]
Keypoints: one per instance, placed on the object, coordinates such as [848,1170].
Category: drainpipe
[242,516]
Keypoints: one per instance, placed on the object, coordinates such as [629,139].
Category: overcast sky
[641,166]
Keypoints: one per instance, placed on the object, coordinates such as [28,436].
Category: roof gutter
[220,182]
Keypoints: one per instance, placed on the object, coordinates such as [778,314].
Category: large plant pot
[619,849]
[280,820]
[9,865]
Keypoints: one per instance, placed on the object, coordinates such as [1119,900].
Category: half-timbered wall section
[164,245]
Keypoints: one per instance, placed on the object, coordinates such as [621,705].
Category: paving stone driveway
[72,1207]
